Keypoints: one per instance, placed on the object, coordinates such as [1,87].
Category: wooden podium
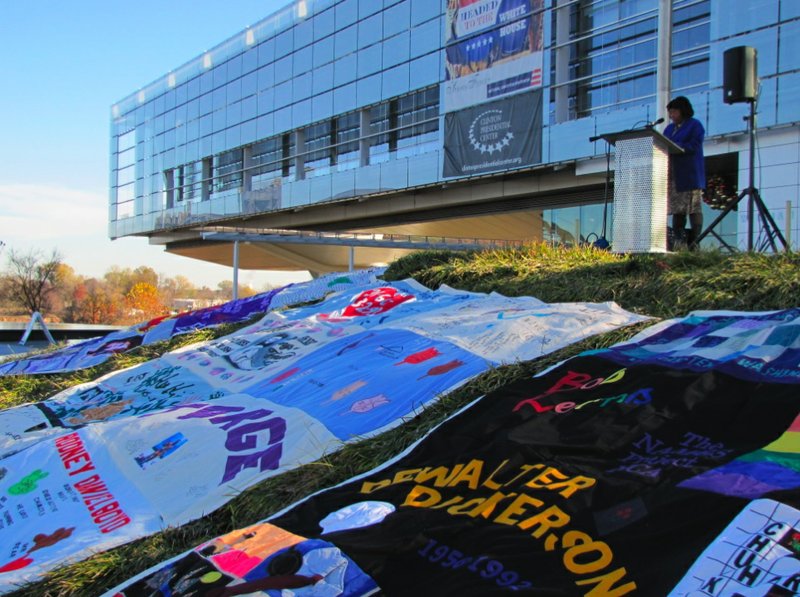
[640,189]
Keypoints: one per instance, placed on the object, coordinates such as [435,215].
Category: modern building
[465,119]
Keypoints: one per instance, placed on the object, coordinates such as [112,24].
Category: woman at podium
[687,172]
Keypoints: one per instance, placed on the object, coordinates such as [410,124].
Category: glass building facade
[343,100]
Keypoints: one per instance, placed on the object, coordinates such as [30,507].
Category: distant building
[191,304]
[454,118]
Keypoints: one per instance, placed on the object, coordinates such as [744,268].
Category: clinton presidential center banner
[493,49]
[164,442]
[599,477]
[495,136]
[97,350]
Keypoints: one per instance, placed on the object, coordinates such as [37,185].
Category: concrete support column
[351,264]
[663,59]
[235,270]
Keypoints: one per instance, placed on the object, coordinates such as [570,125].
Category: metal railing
[356,238]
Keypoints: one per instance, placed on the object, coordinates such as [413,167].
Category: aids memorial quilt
[599,477]
[760,346]
[95,351]
[169,440]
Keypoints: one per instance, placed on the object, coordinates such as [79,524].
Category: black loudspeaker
[740,75]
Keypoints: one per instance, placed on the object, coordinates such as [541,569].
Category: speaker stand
[768,225]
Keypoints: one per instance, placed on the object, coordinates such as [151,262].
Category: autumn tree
[143,298]
[225,290]
[123,280]
[94,303]
[177,287]
[63,298]
[31,278]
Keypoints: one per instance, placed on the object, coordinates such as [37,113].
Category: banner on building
[574,482]
[494,49]
[496,136]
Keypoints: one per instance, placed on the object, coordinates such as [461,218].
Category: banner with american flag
[494,49]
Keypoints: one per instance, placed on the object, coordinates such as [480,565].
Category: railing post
[788,223]
[235,270]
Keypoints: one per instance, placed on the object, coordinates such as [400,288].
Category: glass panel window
[691,32]
[347,153]
[345,41]
[575,224]
[126,175]
[126,141]
[318,149]
[125,210]
[192,177]
[418,122]
[396,19]
[266,157]
[379,125]
[323,24]
[592,216]
[405,126]
[370,31]
[125,193]
[126,158]
[289,150]
[612,61]
[228,170]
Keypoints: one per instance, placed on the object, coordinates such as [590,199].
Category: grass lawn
[658,285]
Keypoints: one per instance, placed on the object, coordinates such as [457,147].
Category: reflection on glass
[345,41]
[613,61]
[126,141]
[347,150]
[318,149]
[125,210]
[575,225]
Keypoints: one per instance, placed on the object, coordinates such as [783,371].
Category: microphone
[654,123]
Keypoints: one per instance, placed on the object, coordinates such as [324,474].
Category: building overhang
[499,207]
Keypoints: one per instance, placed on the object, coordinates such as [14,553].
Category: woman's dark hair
[683,104]
[285,563]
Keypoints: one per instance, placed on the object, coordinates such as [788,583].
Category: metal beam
[308,263]
[235,270]
[359,240]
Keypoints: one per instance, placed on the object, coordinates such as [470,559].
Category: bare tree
[31,277]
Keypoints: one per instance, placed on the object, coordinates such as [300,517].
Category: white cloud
[75,222]
[30,213]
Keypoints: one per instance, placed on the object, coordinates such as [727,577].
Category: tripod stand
[768,225]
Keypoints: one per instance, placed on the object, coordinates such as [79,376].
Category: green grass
[103,571]
[21,389]
[668,285]
[660,285]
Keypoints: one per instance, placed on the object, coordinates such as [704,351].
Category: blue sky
[64,63]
